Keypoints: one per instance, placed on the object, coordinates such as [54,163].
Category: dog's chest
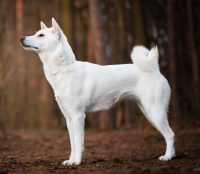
[52,78]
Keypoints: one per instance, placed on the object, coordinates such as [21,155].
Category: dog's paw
[77,161]
[67,162]
[71,162]
[165,158]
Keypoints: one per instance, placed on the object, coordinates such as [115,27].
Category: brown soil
[118,151]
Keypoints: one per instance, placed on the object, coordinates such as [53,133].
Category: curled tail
[144,59]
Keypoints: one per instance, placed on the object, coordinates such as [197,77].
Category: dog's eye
[41,35]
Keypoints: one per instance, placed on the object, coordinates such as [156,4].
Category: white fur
[144,59]
[82,87]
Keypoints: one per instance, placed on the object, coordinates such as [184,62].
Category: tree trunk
[193,53]
[90,45]
[30,105]
[171,56]
[129,108]
[3,66]
[44,89]
[67,19]
[138,23]
[120,115]
[20,62]
[99,53]
[66,23]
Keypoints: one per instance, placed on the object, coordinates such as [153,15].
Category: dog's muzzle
[24,45]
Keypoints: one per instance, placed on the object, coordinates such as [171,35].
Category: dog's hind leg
[70,130]
[158,117]
[144,112]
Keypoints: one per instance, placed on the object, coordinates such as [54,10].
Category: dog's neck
[61,56]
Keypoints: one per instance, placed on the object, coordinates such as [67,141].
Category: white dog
[82,87]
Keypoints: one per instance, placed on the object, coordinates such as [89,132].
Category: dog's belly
[105,102]
[113,84]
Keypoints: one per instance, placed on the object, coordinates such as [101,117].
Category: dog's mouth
[27,46]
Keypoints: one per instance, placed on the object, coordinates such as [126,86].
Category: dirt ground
[118,151]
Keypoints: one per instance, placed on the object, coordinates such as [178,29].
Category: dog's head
[45,40]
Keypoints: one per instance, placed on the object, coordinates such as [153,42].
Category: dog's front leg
[78,125]
[70,130]
[71,136]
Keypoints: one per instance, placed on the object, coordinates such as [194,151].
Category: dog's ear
[43,26]
[56,29]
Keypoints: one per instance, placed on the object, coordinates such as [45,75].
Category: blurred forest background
[103,32]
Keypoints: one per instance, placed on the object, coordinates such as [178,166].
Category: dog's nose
[22,38]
